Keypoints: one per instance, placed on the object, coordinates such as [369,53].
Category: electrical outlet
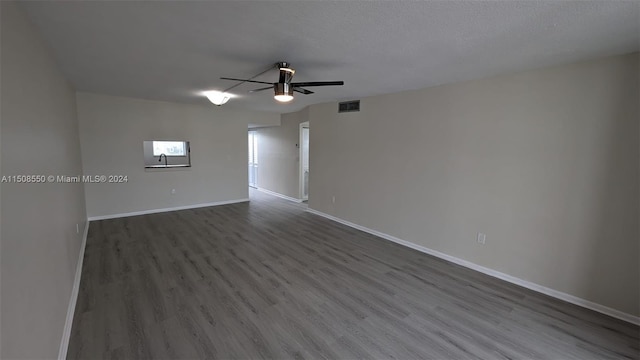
[333,199]
[482,238]
[173,191]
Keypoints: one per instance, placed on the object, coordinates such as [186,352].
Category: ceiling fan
[284,88]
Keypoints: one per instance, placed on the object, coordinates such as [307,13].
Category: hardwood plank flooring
[266,279]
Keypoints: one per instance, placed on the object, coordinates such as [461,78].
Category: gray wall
[544,162]
[112,131]
[39,242]
[278,156]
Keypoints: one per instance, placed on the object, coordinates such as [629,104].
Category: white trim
[512,279]
[155,211]
[66,334]
[279,195]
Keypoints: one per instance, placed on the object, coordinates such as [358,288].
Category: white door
[253,159]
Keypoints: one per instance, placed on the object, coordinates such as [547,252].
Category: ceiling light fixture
[284,92]
[218,97]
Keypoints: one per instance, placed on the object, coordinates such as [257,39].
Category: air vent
[349,106]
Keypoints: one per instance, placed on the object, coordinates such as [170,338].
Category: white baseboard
[155,211]
[66,334]
[512,279]
[279,195]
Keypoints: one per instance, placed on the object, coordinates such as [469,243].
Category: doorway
[304,160]
[253,159]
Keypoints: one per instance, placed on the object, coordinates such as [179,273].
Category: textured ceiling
[174,50]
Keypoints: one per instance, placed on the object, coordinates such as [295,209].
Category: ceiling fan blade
[245,80]
[318,83]
[303,91]
[264,88]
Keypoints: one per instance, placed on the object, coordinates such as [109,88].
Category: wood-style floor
[266,279]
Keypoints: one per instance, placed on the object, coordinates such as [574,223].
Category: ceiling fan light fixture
[217,97]
[283,98]
[283,89]
[283,92]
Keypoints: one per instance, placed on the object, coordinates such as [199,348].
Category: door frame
[254,133]
[300,163]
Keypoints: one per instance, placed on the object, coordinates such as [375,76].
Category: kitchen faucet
[165,159]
